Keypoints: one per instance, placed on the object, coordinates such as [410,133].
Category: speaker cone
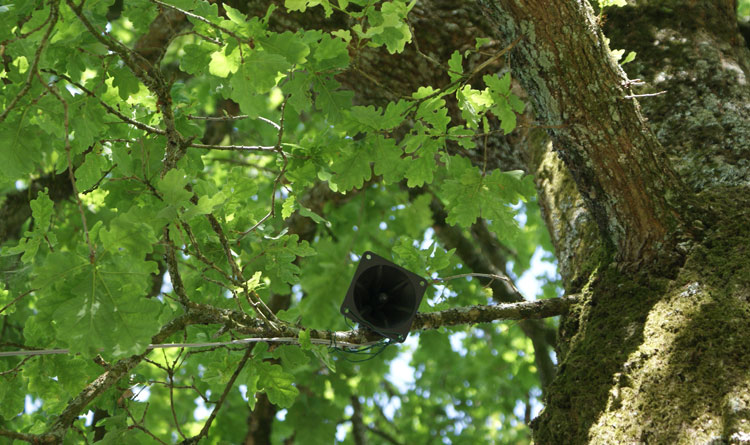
[383,296]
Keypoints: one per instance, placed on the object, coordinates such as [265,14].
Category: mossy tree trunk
[659,351]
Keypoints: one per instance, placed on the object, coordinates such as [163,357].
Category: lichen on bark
[655,353]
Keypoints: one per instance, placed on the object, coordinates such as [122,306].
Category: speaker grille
[383,296]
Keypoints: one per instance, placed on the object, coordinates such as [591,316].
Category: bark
[259,422]
[358,425]
[573,232]
[580,92]
[658,351]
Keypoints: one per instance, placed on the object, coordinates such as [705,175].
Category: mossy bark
[659,350]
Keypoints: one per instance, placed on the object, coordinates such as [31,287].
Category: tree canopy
[186,172]
[188,187]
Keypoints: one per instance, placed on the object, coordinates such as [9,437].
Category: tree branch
[526,310]
[31,438]
[241,323]
[109,378]
[127,55]
[384,435]
[358,425]
[33,69]
[206,426]
[601,136]
[262,332]
[478,260]
[111,110]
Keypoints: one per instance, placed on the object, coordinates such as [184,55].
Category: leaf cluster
[224,184]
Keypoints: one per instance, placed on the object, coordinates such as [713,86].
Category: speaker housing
[384,297]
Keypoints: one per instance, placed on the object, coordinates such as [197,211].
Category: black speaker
[384,297]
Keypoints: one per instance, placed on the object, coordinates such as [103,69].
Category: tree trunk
[658,352]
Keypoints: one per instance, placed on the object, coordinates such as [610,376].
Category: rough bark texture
[657,353]
[578,90]
[259,422]
[573,232]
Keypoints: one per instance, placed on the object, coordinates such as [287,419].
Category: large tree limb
[579,90]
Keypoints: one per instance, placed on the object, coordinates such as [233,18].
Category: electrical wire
[367,348]
[243,341]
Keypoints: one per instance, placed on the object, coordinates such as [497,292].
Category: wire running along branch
[357,338]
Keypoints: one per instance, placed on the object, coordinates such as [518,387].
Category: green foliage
[607,3]
[474,194]
[175,211]
[41,211]
[84,301]
[616,53]
[743,8]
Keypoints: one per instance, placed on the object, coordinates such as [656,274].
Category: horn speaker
[384,297]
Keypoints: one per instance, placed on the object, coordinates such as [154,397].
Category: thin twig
[486,149]
[16,300]
[255,301]
[23,35]
[270,122]
[276,181]
[510,282]
[18,366]
[462,80]
[204,37]
[264,148]
[479,275]
[192,387]
[232,118]
[204,20]
[98,183]
[419,51]
[133,122]
[199,254]
[66,124]
[227,388]
[170,374]
[54,15]
[218,118]
[633,96]
[138,424]
[491,60]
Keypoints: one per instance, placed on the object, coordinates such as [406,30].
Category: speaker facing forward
[384,297]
